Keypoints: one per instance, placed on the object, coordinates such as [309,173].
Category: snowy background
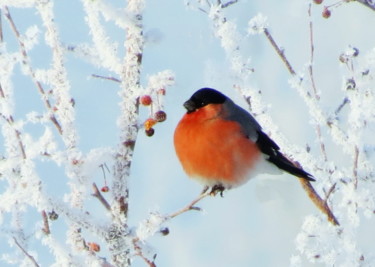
[270,221]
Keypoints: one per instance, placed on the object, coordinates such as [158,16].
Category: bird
[222,145]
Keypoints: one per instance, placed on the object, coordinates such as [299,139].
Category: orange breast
[213,149]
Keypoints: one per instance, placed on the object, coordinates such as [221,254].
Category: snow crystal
[258,24]
[31,37]
[150,226]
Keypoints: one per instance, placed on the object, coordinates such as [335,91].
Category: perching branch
[191,205]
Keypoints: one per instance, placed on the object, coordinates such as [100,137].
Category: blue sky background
[254,225]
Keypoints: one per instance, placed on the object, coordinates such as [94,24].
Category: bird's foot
[217,188]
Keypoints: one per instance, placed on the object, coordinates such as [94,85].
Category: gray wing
[266,145]
[235,113]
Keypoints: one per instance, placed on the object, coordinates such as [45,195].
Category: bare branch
[26,253]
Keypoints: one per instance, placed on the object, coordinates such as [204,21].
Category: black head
[202,98]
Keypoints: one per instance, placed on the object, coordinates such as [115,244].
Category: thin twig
[191,206]
[99,196]
[312,55]
[45,228]
[106,78]
[279,51]
[26,62]
[315,91]
[330,191]
[32,259]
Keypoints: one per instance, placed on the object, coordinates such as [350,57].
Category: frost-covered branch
[27,65]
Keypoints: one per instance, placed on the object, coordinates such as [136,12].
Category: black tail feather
[283,163]
[270,148]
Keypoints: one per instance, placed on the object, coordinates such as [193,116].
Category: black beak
[190,106]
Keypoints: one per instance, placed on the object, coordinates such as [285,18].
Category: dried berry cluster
[155,117]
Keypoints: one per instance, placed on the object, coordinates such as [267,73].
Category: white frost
[258,24]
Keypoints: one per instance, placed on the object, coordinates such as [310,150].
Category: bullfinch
[223,146]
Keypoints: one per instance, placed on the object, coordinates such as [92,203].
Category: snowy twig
[312,55]
[17,133]
[26,253]
[99,196]
[279,51]
[139,253]
[318,129]
[106,78]
[370,4]
[45,228]
[26,62]
[10,121]
[191,206]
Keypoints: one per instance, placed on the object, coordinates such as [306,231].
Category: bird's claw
[217,188]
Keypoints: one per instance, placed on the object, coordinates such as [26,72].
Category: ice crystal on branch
[258,24]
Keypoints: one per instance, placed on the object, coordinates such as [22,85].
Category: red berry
[150,132]
[160,116]
[105,189]
[318,2]
[326,13]
[146,100]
